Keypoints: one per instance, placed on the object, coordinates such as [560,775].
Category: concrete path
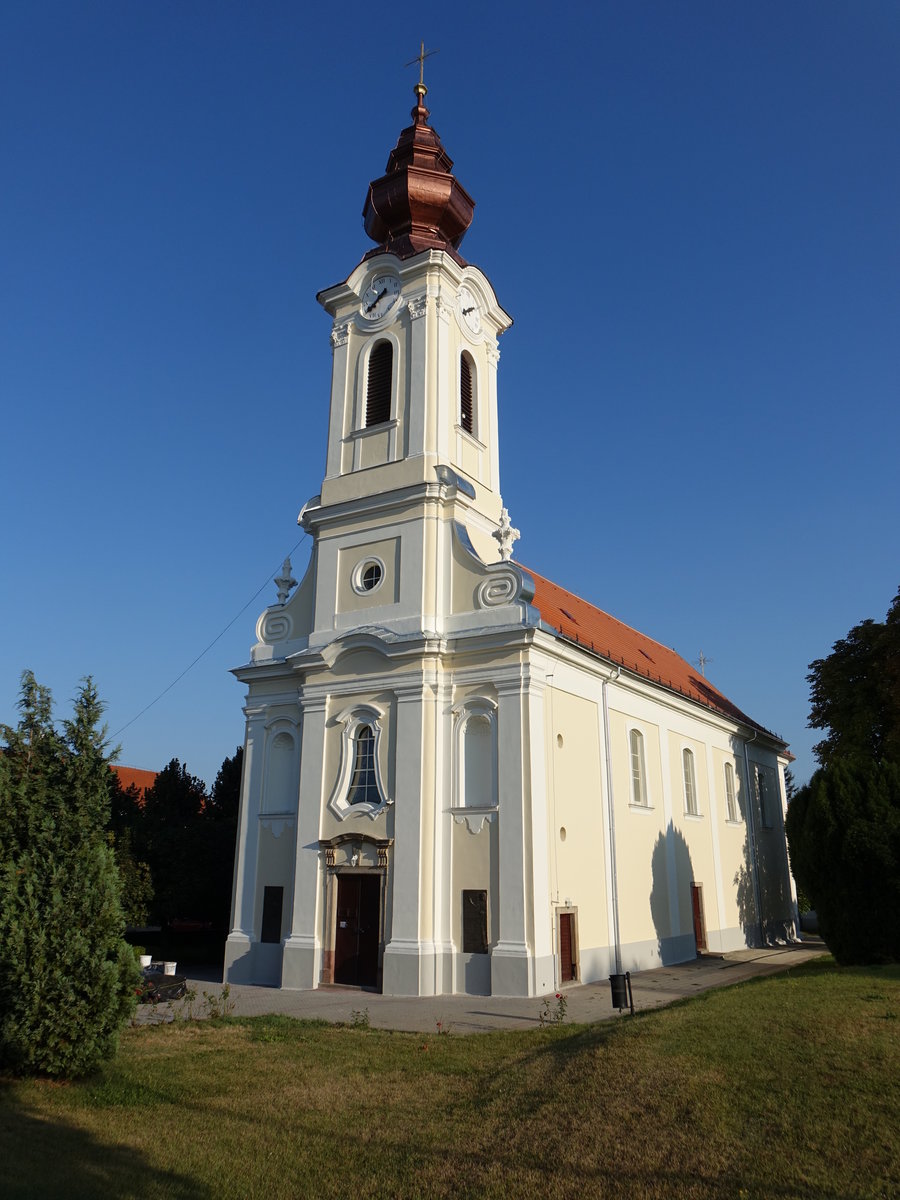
[475,1014]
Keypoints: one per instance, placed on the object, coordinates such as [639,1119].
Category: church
[458,776]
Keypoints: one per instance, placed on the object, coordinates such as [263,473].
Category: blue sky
[689,209]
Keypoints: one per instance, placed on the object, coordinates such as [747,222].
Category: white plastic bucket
[169,968]
[146,960]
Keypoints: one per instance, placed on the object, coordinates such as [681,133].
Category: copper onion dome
[417,204]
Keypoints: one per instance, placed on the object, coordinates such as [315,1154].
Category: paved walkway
[475,1014]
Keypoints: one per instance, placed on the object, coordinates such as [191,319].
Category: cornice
[581,658]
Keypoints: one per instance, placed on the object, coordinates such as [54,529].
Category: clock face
[380,297]
[468,310]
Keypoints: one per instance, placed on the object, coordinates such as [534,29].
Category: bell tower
[414,338]
[406,627]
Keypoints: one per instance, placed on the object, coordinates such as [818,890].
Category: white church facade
[459,777]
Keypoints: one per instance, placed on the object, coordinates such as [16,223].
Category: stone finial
[506,535]
[285,581]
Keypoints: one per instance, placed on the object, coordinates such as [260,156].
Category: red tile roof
[134,777]
[579,622]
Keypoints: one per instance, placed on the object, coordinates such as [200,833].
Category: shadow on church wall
[671,854]
[768,921]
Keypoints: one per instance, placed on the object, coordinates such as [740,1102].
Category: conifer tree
[67,977]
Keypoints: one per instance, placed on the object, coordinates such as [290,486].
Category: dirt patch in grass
[786,1086]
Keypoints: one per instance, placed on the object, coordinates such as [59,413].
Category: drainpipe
[751,841]
[612,821]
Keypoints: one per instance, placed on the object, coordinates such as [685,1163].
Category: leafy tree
[67,976]
[855,692]
[843,830]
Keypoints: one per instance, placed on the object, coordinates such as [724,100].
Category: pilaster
[302,959]
[409,957]
[511,957]
[239,944]
[342,406]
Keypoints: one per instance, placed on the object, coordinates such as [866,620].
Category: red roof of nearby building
[134,777]
[596,631]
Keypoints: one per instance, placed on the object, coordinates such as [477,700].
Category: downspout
[751,841]
[617,945]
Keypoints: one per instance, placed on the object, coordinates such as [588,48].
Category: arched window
[730,802]
[690,783]
[638,769]
[467,392]
[360,787]
[363,782]
[378,384]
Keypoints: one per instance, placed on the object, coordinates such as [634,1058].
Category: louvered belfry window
[466,394]
[378,384]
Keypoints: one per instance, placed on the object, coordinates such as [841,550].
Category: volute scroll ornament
[275,625]
[502,587]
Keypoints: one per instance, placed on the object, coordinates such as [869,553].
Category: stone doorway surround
[353,854]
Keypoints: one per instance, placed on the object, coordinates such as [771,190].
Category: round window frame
[356,579]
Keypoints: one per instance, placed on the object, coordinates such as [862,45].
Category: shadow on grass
[46,1159]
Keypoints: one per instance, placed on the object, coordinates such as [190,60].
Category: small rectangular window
[475,922]
[273,898]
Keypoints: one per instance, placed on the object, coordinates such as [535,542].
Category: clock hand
[466,311]
[383,292]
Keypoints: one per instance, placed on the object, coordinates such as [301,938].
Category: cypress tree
[67,977]
[843,831]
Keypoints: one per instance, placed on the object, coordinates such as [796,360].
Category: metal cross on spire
[420,59]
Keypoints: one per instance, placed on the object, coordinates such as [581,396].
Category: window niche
[475,774]
[282,779]
[360,788]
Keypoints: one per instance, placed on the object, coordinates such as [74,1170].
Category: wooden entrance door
[567,968]
[697,912]
[356,935]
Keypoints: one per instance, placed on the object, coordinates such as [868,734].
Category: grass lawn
[786,1086]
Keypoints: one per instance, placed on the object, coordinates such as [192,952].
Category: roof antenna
[701,663]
